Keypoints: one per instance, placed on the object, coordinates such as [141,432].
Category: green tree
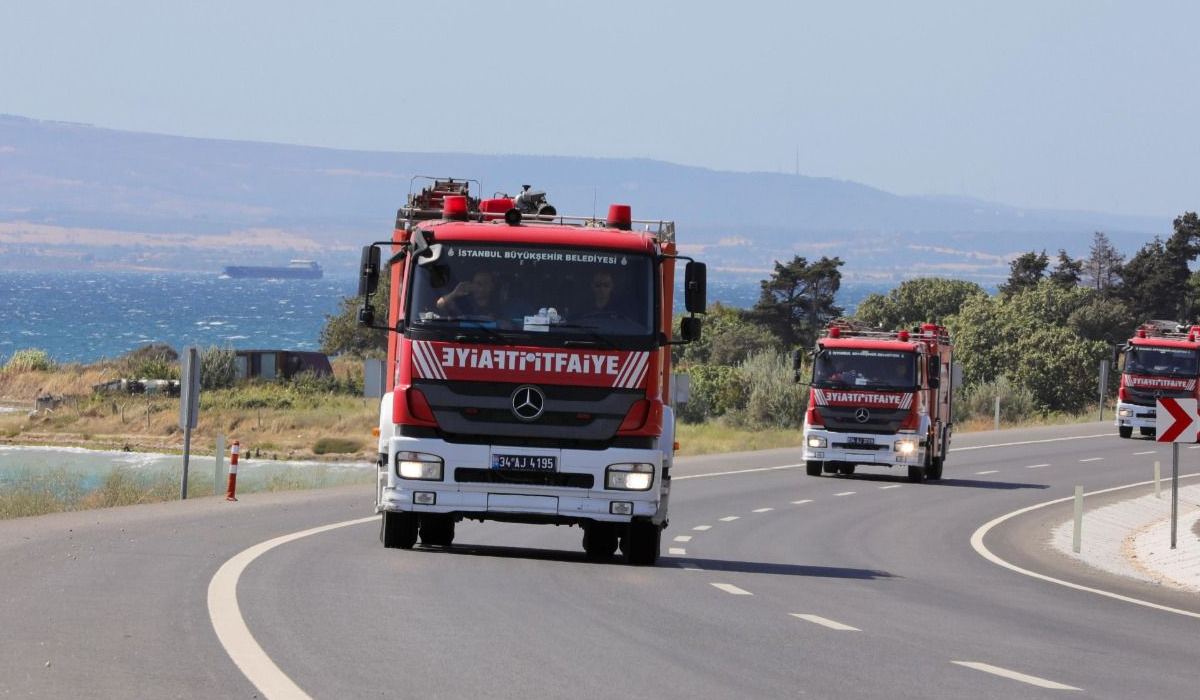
[925,299]
[1067,272]
[797,299]
[1025,272]
[342,334]
[1157,276]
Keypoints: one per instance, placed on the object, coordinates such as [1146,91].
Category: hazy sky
[1087,105]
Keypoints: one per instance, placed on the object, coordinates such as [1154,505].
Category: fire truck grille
[1147,397]
[473,410]
[470,475]
[880,420]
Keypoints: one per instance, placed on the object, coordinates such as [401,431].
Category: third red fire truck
[1161,360]
[880,399]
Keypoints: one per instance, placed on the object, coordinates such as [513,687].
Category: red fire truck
[1161,360]
[529,368]
[880,399]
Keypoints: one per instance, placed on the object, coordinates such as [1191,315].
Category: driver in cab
[473,297]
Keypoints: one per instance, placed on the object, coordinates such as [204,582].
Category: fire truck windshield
[873,369]
[546,295]
[1140,359]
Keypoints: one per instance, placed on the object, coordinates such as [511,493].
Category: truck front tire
[1125,431]
[812,468]
[398,530]
[916,473]
[437,530]
[641,543]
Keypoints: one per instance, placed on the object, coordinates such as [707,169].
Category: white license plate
[525,463]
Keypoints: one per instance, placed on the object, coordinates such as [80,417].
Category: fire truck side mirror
[695,291]
[368,275]
[689,329]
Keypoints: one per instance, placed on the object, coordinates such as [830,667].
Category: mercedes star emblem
[528,402]
[862,415]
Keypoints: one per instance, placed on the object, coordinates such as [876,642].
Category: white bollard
[1077,538]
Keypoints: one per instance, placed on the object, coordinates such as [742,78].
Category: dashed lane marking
[702,528]
[683,538]
[762,510]
[987,471]
[845,493]
[890,486]
[802,501]
[1194,447]
[1147,452]
[1037,466]
[678,551]
[1015,675]
[826,622]
[730,518]
[731,589]
[1091,459]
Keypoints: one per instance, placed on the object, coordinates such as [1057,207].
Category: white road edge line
[956,449]
[731,589]
[977,544]
[230,626]
[987,471]
[1091,459]
[1037,466]
[762,510]
[683,538]
[1015,675]
[702,528]
[826,622]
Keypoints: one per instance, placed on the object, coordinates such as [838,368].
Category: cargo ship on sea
[296,269]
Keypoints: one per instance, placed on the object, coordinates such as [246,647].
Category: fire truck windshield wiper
[478,333]
[595,339]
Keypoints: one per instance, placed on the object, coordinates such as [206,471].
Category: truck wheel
[831,467]
[398,530]
[845,469]
[934,471]
[641,543]
[437,530]
[813,468]
[599,541]
[1125,431]
[1148,432]
[916,473]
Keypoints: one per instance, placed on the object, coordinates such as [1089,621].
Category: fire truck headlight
[817,441]
[906,447]
[1125,413]
[418,465]
[629,477]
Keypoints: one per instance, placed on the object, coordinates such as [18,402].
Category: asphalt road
[788,586]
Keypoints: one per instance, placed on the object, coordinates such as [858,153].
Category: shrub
[153,357]
[29,360]
[978,401]
[330,445]
[218,367]
[310,382]
[716,390]
[774,399]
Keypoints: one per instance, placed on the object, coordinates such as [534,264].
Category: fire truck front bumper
[523,484]
[900,449]
[1133,416]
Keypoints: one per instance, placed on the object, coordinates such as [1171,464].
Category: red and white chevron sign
[1176,421]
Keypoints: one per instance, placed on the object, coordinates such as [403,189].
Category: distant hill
[78,195]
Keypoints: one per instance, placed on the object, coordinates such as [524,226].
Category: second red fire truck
[1162,360]
[881,399]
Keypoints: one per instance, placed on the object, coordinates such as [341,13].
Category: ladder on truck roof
[846,328]
[427,205]
[1169,330]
